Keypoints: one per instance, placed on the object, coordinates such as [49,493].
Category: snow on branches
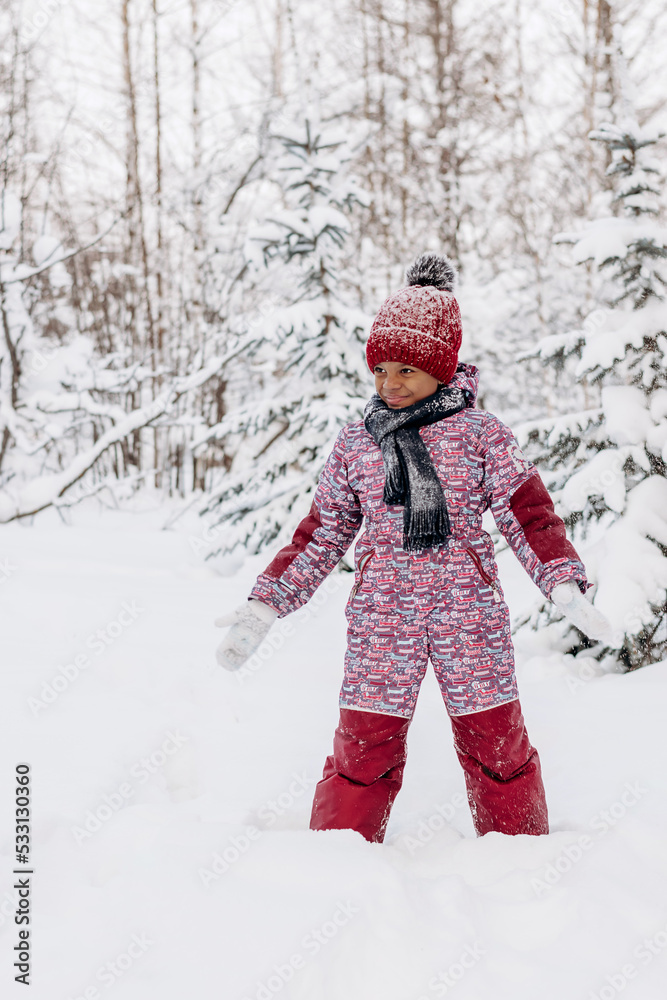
[63,405]
[609,466]
[308,350]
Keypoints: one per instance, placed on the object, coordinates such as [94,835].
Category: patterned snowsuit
[444,604]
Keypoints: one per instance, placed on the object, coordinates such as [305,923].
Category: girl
[418,472]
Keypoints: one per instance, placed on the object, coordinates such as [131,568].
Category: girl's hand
[250,623]
[568,598]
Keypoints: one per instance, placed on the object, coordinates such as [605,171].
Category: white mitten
[250,623]
[568,598]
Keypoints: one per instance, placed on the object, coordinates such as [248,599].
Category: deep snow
[202,877]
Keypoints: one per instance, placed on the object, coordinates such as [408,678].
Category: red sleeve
[544,529]
[300,539]
[524,512]
[320,540]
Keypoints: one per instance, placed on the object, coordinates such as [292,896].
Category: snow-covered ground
[171,850]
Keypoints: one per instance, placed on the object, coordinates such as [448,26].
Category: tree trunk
[158,347]
[605,77]
[134,196]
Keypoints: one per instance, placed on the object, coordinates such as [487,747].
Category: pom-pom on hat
[420,325]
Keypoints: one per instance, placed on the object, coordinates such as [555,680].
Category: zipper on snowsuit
[363,562]
[482,572]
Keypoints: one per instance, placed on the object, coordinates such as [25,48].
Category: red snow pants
[364,774]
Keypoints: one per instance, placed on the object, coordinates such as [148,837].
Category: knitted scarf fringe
[425,529]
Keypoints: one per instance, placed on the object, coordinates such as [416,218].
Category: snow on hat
[421,324]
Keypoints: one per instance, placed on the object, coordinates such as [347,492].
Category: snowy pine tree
[308,353]
[608,465]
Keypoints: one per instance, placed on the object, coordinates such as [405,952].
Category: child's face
[401,385]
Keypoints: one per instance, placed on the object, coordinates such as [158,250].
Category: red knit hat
[421,324]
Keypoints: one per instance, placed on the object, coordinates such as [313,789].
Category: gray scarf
[410,477]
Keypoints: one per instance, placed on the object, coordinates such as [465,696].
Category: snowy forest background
[204,204]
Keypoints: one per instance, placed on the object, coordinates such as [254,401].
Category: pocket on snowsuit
[363,563]
[489,579]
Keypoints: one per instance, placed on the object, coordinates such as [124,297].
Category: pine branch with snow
[608,466]
[309,348]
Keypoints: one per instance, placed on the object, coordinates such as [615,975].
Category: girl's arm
[524,512]
[319,542]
